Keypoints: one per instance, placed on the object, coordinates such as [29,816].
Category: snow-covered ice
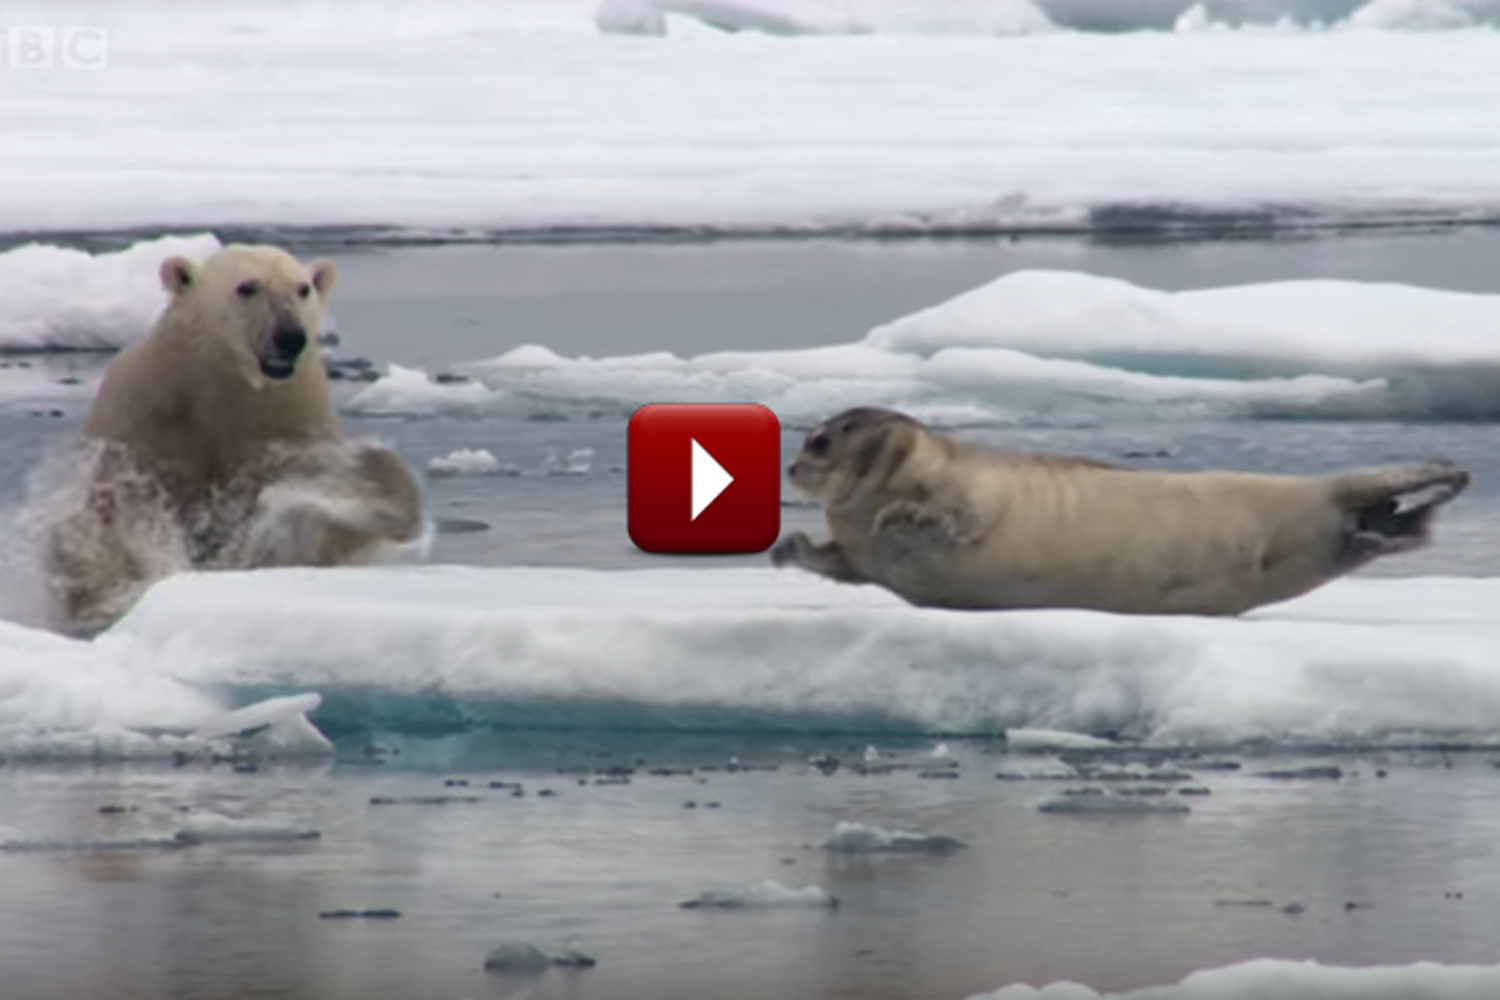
[471,119]
[61,299]
[1271,977]
[1038,346]
[1359,662]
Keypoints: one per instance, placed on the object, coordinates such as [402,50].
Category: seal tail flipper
[1390,510]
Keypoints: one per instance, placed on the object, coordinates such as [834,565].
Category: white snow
[1055,346]
[1361,661]
[460,116]
[1307,979]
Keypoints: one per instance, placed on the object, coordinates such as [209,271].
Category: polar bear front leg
[334,505]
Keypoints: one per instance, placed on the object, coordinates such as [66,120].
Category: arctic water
[363,782]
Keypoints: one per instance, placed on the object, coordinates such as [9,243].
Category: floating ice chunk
[630,17]
[1423,15]
[1296,326]
[735,16]
[1063,346]
[65,698]
[412,392]
[1356,663]
[1274,977]
[1054,739]
[768,893]
[517,959]
[1111,805]
[61,299]
[211,827]
[577,462]
[278,726]
[470,462]
[1192,20]
[860,838]
[802,18]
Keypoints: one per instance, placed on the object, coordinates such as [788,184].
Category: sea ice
[411,392]
[756,895]
[1358,661]
[1111,805]
[469,462]
[1030,346]
[956,129]
[208,827]
[1053,739]
[1057,346]
[860,838]
[52,298]
[1308,979]
[576,462]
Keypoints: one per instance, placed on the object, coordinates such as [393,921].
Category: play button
[709,479]
[704,478]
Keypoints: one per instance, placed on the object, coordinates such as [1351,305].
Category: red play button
[704,478]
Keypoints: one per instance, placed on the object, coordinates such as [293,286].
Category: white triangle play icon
[709,479]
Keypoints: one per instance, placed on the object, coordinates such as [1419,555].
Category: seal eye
[246,289]
[304,290]
[818,445]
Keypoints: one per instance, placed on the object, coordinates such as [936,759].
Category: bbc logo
[53,47]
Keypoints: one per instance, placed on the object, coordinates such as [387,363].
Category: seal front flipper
[908,525]
[1390,510]
[827,559]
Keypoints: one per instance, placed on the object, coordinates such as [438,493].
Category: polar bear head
[256,304]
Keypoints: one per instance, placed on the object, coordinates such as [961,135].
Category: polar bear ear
[324,277]
[178,274]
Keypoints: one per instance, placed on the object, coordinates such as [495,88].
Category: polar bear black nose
[289,341]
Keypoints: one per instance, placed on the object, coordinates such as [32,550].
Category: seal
[950,524]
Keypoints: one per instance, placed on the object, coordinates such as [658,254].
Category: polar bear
[213,444]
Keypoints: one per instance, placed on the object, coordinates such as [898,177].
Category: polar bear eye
[245,289]
[304,290]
